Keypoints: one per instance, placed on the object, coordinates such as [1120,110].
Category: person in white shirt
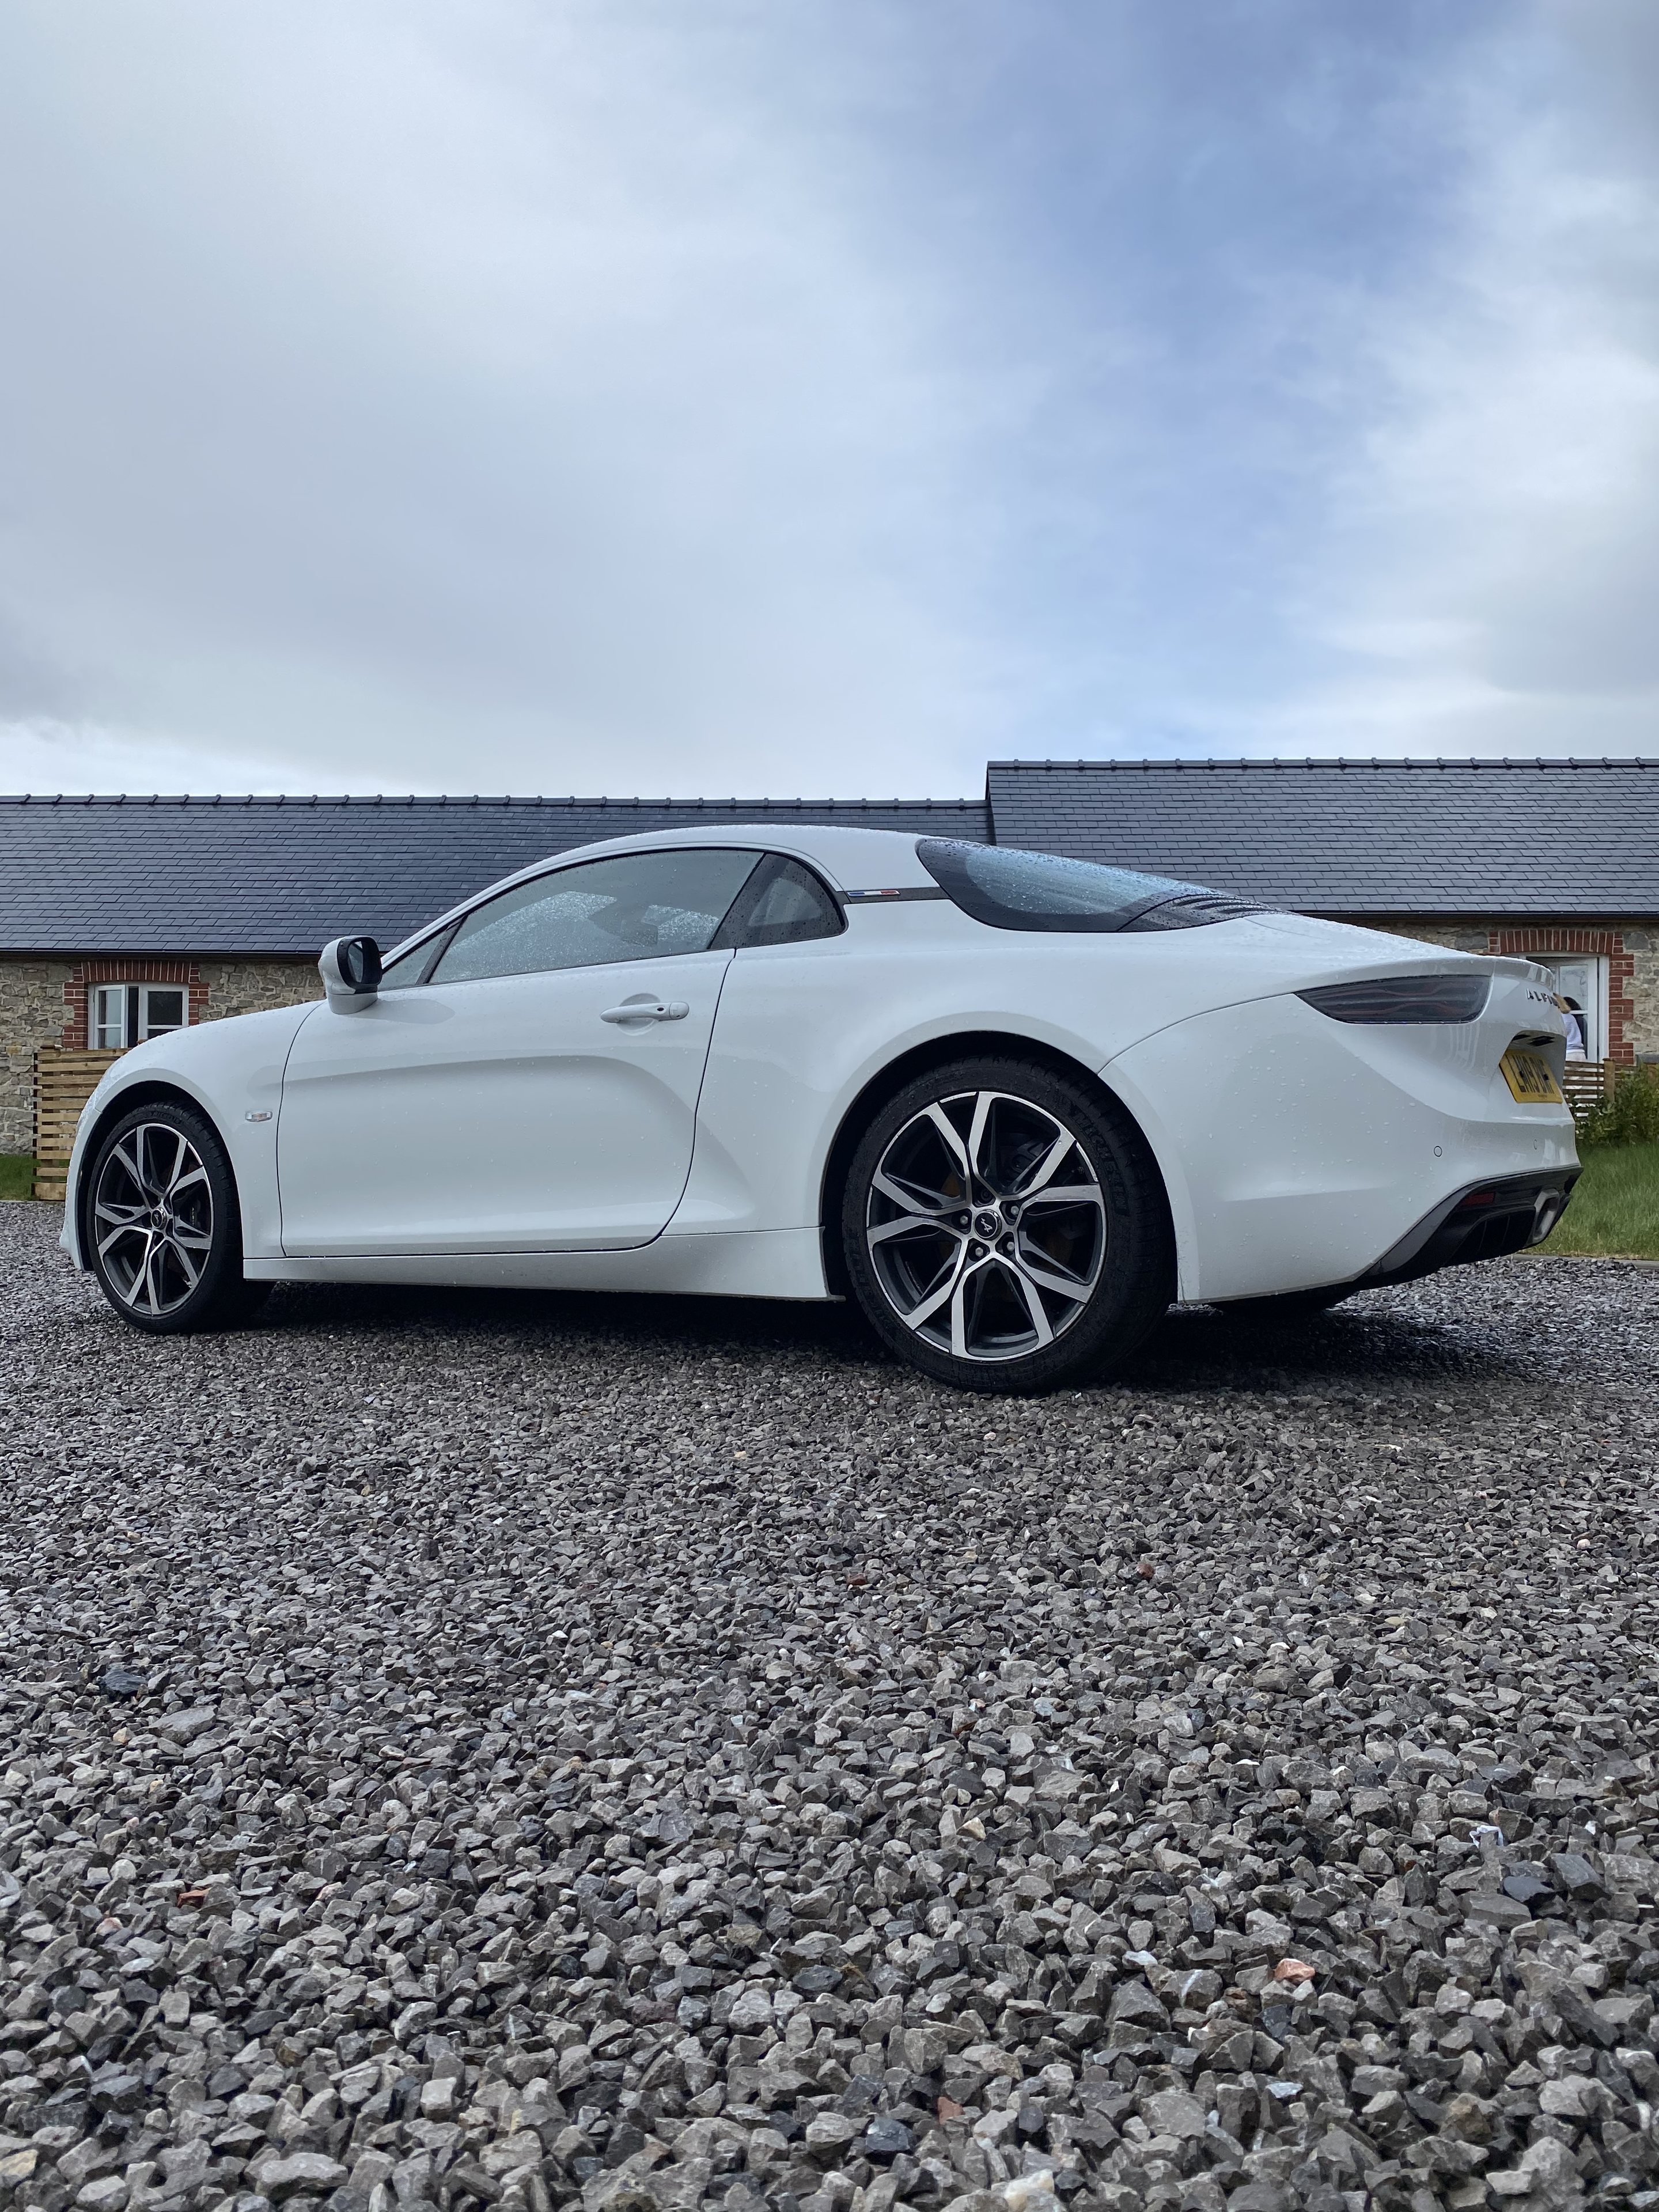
[1575,1017]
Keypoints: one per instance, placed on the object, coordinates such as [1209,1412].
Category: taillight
[1403,999]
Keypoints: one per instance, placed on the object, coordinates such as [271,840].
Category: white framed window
[123,1014]
[1581,978]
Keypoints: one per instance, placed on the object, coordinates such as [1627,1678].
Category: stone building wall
[1457,936]
[31,1000]
[1642,1025]
[44,1002]
[250,986]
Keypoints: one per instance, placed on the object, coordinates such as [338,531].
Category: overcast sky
[805,397]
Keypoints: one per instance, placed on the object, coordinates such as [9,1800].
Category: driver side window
[639,906]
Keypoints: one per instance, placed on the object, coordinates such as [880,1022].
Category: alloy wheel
[986,1225]
[152,1218]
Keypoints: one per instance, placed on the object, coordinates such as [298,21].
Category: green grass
[16,1176]
[1614,1212]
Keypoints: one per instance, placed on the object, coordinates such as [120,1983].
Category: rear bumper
[1300,1153]
[1485,1221]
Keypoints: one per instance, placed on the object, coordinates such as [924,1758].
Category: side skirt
[776,1263]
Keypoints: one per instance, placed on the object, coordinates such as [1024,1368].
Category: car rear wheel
[162,1227]
[1006,1229]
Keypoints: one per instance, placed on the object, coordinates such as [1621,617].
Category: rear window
[1013,889]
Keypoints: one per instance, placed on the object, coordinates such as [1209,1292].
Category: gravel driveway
[512,1751]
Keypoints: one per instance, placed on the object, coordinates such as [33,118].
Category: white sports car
[1013,1105]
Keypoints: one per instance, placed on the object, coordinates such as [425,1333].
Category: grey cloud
[1493,558]
[604,395]
[537,404]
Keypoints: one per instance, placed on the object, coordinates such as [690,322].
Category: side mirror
[350,969]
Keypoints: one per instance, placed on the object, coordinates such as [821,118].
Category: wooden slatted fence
[64,1078]
[1586,1083]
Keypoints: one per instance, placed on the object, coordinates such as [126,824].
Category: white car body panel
[495,1132]
[523,1120]
[234,1070]
[1302,1144]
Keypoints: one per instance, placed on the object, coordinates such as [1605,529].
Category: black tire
[1093,1266]
[1290,1306]
[160,1225]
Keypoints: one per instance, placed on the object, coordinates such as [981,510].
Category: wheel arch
[154,1090]
[937,1052]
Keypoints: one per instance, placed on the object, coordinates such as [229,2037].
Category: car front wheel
[1006,1229]
[163,1231]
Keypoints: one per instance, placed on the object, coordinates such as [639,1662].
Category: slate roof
[244,876]
[1541,837]
[284,875]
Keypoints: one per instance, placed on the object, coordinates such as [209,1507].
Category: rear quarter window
[1009,888]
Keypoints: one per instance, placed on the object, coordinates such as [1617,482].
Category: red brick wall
[88,972]
[1607,945]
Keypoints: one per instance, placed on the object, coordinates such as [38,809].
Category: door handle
[648,1010]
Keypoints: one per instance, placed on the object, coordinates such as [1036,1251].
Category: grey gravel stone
[123,1681]
[664,1756]
[306,2171]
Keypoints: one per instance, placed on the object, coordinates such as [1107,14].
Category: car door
[528,1084]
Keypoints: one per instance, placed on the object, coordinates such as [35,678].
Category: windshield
[1013,889]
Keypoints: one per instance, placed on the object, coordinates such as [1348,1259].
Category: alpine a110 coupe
[1013,1105]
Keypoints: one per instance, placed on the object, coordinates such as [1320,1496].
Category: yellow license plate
[1531,1078]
